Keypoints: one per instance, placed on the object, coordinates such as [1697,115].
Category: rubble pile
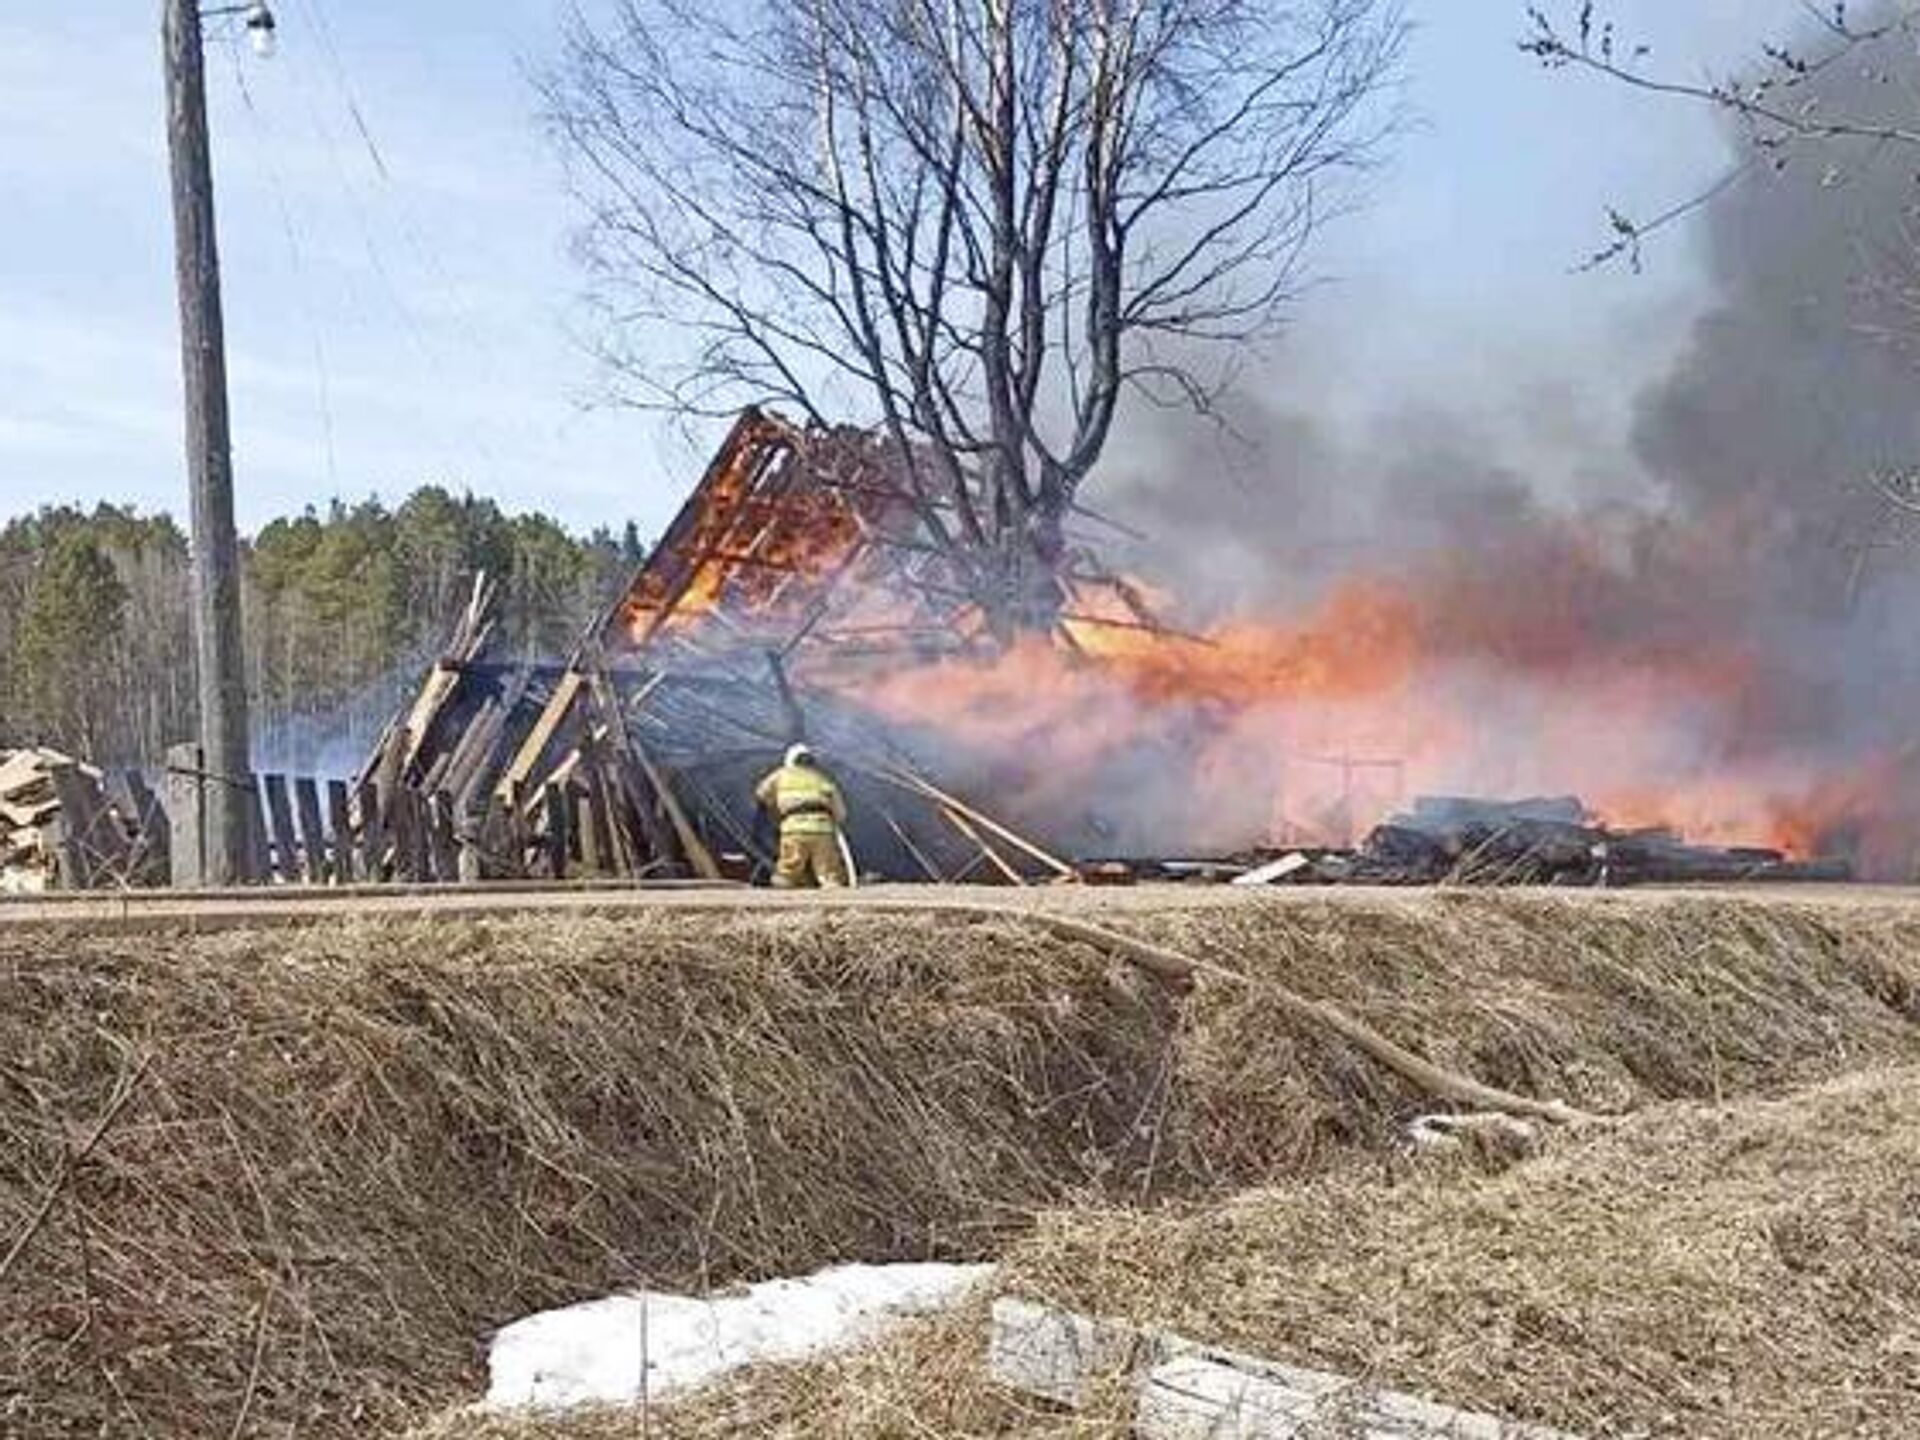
[1541,841]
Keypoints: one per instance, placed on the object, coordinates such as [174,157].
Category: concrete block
[1191,1397]
[1055,1354]
[1186,1391]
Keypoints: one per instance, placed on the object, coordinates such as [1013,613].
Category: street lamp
[260,31]
[257,18]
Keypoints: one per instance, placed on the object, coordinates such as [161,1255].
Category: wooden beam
[956,806]
[313,833]
[932,872]
[442,849]
[521,770]
[559,838]
[286,845]
[691,844]
[959,822]
[346,863]
[259,854]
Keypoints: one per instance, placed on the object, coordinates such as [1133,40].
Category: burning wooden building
[798,594]
[799,569]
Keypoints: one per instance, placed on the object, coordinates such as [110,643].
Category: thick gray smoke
[1737,525]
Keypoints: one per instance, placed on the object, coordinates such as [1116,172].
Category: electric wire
[296,250]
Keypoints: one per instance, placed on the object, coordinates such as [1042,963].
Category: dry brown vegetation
[358,1147]
[1710,1272]
[1737,1271]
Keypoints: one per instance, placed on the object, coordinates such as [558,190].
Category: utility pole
[225,752]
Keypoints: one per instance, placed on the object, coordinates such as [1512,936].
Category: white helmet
[799,754]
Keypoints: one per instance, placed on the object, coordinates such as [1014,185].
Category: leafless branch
[961,219]
[1777,99]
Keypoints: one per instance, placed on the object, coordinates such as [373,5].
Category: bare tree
[977,223]
[1778,96]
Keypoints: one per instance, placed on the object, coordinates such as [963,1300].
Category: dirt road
[243,909]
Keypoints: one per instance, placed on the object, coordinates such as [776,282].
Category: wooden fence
[307,831]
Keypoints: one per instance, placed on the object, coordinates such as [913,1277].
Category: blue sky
[401,303]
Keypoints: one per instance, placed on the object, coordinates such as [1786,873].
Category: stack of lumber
[67,825]
[26,803]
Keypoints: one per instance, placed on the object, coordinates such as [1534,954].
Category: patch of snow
[600,1352]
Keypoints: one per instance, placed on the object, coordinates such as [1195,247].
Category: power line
[391,297]
[264,133]
[425,253]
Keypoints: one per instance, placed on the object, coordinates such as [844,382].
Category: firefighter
[807,803]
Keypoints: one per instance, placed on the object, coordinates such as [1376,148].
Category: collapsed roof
[802,560]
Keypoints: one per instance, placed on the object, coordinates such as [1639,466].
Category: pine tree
[66,650]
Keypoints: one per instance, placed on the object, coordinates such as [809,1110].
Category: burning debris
[800,595]
[1554,841]
[804,594]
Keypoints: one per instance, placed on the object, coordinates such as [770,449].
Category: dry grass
[1735,1272]
[1739,1271]
[1604,1002]
[360,1147]
[392,1141]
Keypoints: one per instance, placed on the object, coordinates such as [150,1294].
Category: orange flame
[1539,673]
[1556,657]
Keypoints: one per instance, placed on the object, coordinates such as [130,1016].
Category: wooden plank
[470,838]
[691,844]
[645,843]
[559,836]
[472,789]
[426,709]
[442,848]
[397,811]
[286,842]
[597,821]
[389,787]
[900,834]
[593,856]
[259,845]
[313,833]
[345,863]
[446,832]
[519,838]
[956,806]
[475,744]
[371,833]
[27,772]
[993,856]
[25,817]
[1275,871]
[414,839]
[544,729]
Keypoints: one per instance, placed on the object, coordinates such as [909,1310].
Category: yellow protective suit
[811,812]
